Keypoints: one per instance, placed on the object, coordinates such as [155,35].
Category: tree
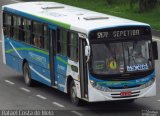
[145,5]
[110,2]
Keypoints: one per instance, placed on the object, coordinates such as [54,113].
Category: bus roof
[70,17]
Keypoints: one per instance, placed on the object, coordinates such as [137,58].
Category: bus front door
[83,68]
[52,46]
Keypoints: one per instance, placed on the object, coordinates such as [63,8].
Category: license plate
[126,93]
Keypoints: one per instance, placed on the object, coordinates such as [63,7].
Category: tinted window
[16,27]
[26,30]
[38,39]
[73,46]
[7,22]
[62,42]
[46,41]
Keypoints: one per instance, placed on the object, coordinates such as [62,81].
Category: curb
[156,33]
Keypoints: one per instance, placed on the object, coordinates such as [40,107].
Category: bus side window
[62,42]
[58,42]
[35,40]
[7,23]
[38,39]
[26,33]
[73,46]
[16,27]
[45,37]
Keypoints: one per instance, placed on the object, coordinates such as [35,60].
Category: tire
[73,95]
[27,75]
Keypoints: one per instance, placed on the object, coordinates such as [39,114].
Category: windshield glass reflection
[117,58]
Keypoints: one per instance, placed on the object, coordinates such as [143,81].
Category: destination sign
[124,33]
[119,33]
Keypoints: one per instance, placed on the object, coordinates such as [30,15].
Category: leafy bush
[145,5]
[137,5]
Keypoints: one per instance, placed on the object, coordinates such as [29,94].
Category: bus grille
[118,95]
[125,88]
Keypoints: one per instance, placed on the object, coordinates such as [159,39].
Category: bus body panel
[73,71]
[66,68]
[61,63]
[38,60]
[13,58]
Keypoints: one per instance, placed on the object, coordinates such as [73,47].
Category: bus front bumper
[95,95]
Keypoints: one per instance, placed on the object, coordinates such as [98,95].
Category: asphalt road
[15,95]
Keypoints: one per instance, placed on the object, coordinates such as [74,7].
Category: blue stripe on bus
[37,60]
[129,83]
[40,71]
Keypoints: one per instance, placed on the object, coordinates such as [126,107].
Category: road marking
[58,104]
[15,1]
[24,89]
[9,82]
[42,97]
[77,113]
[158,100]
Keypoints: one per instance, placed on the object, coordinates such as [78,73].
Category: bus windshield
[122,57]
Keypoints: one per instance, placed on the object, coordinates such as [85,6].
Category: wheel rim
[26,75]
[74,94]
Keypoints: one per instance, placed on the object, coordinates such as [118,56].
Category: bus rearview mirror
[155,50]
[87,52]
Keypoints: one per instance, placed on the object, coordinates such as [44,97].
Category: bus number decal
[139,67]
[101,35]
[37,57]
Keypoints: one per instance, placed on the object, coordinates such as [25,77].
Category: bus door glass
[83,66]
[52,39]
[61,58]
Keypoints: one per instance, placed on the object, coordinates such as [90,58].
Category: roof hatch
[52,7]
[96,18]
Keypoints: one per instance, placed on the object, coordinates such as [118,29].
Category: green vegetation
[141,5]
[130,9]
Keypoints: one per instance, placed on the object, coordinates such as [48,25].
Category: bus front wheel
[73,94]
[27,76]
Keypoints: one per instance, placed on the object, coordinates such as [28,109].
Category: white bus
[89,55]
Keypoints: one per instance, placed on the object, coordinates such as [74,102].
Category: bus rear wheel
[27,75]
[73,94]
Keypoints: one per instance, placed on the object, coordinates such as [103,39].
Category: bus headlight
[148,84]
[98,86]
